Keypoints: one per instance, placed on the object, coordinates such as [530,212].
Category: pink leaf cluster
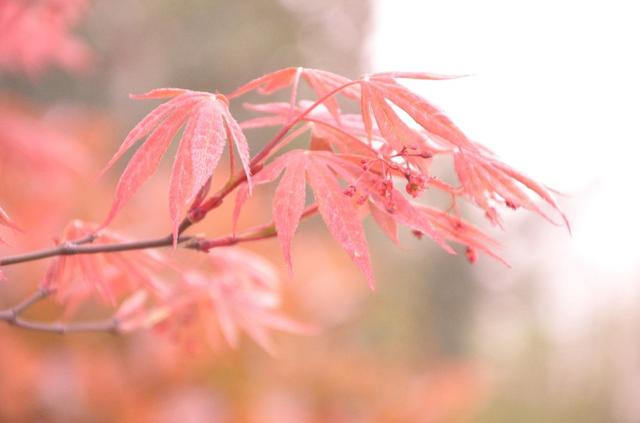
[109,276]
[208,126]
[370,152]
[240,293]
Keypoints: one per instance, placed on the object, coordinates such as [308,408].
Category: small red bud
[471,254]
[350,191]
[418,234]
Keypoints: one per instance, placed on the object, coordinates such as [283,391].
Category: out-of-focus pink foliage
[240,292]
[37,34]
[28,139]
[44,156]
[111,276]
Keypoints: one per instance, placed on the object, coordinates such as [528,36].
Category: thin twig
[256,233]
[70,249]
[108,325]
[12,317]
[37,296]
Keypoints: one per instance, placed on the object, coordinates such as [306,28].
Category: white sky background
[555,93]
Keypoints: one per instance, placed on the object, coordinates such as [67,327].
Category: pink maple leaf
[208,127]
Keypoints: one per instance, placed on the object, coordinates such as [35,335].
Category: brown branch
[12,317]
[74,248]
[254,234]
[108,325]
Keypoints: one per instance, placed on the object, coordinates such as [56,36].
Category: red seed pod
[418,234]
[511,204]
[350,191]
[471,254]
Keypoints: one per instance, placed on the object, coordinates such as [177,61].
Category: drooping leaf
[432,119]
[207,136]
[239,140]
[385,221]
[181,183]
[489,182]
[392,128]
[340,216]
[459,230]
[288,204]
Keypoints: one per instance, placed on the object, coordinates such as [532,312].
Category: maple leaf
[378,89]
[488,182]
[75,278]
[323,83]
[208,127]
[242,294]
[459,230]
[336,209]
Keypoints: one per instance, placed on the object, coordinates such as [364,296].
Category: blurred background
[556,338]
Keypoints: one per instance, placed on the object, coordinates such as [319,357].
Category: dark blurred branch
[12,317]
